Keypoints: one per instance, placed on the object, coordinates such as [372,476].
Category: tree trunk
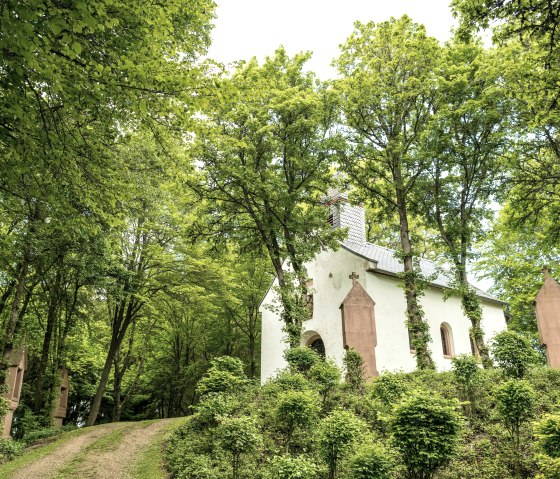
[6,295]
[121,322]
[51,320]
[418,328]
[9,336]
[473,311]
[117,386]
[96,403]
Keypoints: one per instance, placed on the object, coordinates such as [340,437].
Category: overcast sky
[247,28]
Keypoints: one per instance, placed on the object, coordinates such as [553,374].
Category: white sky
[247,28]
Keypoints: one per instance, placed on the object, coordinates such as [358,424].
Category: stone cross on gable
[354,277]
[546,272]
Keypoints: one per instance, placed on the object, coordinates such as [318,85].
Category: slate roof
[388,264]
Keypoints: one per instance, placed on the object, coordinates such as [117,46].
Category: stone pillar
[358,325]
[17,364]
[61,401]
[547,310]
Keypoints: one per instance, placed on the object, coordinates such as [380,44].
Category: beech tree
[265,148]
[73,76]
[387,95]
[468,139]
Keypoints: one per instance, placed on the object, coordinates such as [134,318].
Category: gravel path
[116,463]
[95,455]
[47,467]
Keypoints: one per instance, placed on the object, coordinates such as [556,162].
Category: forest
[150,195]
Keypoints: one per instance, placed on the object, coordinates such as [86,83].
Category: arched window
[316,343]
[446,340]
[318,346]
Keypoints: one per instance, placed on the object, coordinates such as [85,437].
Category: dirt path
[117,461]
[109,451]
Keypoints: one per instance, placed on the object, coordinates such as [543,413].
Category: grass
[104,443]
[147,465]
[35,453]
[150,464]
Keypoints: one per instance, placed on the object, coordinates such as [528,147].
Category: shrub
[295,409]
[547,433]
[238,436]
[336,435]
[9,449]
[389,388]
[326,376]
[289,380]
[513,353]
[548,466]
[224,376]
[301,359]
[212,408]
[355,370]
[426,431]
[288,467]
[371,461]
[466,370]
[515,401]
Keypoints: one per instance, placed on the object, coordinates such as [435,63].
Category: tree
[295,409]
[144,247]
[528,39]
[518,277]
[426,431]
[387,92]
[513,353]
[515,406]
[238,436]
[372,461]
[265,146]
[337,432]
[469,134]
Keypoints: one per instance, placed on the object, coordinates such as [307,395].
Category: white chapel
[358,303]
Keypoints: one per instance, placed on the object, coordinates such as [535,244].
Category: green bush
[548,466]
[466,370]
[301,359]
[547,433]
[326,377]
[289,467]
[426,431]
[337,432]
[515,400]
[196,466]
[212,408]
[289,380]
[238,436]
[513,354]
[355,370]
[9,449]
[515,403]
[224,376]
[295,409]
[371,461]
[389,388]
